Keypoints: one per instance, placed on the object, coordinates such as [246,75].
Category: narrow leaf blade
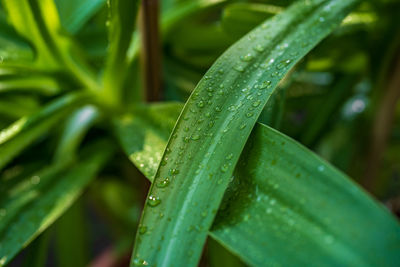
[214,126]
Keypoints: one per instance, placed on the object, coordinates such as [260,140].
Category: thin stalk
[151,54]
[382,126]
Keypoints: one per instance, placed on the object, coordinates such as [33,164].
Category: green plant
[73,106]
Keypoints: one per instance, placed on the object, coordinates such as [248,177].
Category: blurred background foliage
[329,103]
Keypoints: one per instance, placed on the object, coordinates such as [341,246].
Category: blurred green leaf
[240,18]
[74,131]
[71,237]
[31,205]
[75,13]
[38,21]
[122,22]
[24,131]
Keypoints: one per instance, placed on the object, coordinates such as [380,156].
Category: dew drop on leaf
[224,167]
[173,171]
[163,183]
[153,201]
[283,64]
[238,68]
[265,84]
[259,48]
[247,57]
[195,137]
[142,229]
[249,114]
[139,262]
[35,180]
[256,103]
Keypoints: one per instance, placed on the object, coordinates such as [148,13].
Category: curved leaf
[23,132]
[38,21]
[75,13]
[30,206]
[214,125]
[285,206]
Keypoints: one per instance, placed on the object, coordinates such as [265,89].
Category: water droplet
[3,212]
[163,183]
[274,74]
[259,48]
[173,171]
[195,137]
[242,126]
[186,129]
[208,115]
[153,201]
[140,262]
[249,114]
[265,84]
[217,109]
[224,167]
[321,168]
[200,104]
[142,229]
[35,180]
[268,210]
[256,103]
[230,156]
[232,108]
[247,57]
[238,68]
[283,64]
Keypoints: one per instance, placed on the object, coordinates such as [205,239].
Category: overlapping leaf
[284,205]
[214,126]
[29,204]
[25,130]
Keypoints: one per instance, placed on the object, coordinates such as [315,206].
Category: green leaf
[75,13]
[26,106]
[122,22]
[31,205]
[285,205]
[24,131]
[70,228]
[239,18]
[143,147]
[76,127]
[38,21]
[33,83]
[214,125]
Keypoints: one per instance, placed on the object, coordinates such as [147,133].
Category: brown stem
[381,128]
[151,54]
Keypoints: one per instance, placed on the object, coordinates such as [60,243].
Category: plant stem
[151,55]
[381,128]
